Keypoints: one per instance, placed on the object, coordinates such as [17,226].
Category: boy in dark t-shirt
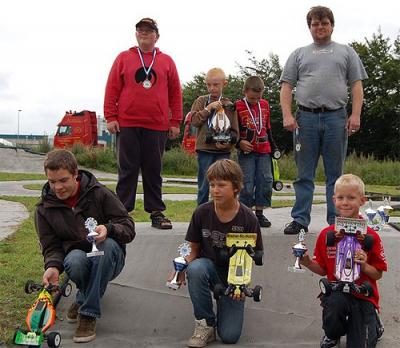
[210,224]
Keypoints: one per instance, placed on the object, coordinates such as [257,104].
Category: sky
[56,54]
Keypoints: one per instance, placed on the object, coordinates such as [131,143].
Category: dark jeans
[140,149]
[320,134]
[92,274]
[343,314]
[201,275]
[205,160]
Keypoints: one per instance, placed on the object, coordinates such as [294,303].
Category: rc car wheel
[367,289]
[219,289]
[233,249]
[278,185]
[67,289]
[259,258]
[257,293]
[330,238]
[368,242]
[277,154]
[325,286]
[53,339]
[29,286]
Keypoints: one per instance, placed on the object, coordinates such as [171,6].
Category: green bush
[372,171]
[178,162]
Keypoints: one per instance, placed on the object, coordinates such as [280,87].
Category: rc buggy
[241,253]
[42,315]
[349,237]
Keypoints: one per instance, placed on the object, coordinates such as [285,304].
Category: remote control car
[277,184]
[42,315]
[350,238]
[241,254]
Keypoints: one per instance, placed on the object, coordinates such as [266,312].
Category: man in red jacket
[143,105]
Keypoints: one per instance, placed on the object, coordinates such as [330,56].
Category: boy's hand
[50,276]
[102,231]
[113,127]
[361,257]
[216,105]
[305,260]
[245,146]
[181,280]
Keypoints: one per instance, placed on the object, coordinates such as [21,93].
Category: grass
[165,189]
[21,176]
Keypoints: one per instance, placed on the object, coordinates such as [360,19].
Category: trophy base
[173,286]
[295,269]
[95,253]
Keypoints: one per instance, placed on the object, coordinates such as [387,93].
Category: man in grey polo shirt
[322,74]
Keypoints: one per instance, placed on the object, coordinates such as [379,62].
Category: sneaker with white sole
[326,342]
[202,335]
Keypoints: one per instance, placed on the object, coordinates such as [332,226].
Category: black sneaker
[158,220]
[263,221]
[294,228]
[326,342]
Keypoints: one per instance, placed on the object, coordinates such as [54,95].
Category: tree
[380,120]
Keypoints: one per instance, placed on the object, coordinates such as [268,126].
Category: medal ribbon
[211,117]
[253,118]
[147,71]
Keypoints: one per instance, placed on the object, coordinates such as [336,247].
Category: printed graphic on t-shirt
[217,238]
[140,76]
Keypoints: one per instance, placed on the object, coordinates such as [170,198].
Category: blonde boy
[202,113]
[350,314]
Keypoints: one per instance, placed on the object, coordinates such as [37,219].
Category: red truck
[77,127]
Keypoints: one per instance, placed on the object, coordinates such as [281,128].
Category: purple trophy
[299,250]
[91,225]
[180,265]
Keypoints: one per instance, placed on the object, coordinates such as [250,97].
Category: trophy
[373,221]
[219,130]
[91,225]
[299,250]
[384,211]
[179,264]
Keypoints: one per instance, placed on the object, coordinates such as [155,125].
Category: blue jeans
[318,134]
[201,275]
[92,274]
[257,179]
[205,160]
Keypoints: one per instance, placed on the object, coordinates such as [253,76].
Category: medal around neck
[180,265]
[146,84]
[299,250]
[91,225]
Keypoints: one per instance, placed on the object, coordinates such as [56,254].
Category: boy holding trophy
[217,128]
[207,266]
[349,313]
[83,229]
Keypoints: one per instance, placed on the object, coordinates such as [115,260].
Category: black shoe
[263,221]
[327,342]
[294,228]
[158,220]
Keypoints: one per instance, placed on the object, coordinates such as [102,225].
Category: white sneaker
[202,335]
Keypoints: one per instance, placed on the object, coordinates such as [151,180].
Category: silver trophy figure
[373,221]
[91,225]
[299,250]
[384,211]
[180,264]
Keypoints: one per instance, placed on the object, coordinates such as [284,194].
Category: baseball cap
[147,22]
